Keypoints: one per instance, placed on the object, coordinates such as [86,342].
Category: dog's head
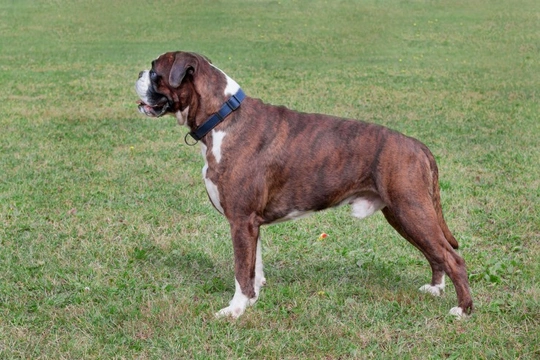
[180,83]
[159,88]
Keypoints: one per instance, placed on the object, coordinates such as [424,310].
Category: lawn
[109,248]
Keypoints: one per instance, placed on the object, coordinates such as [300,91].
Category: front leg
[260,280]
[248,270]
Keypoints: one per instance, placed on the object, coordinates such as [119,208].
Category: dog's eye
[153,75]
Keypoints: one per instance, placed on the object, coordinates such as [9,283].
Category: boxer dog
[265,164]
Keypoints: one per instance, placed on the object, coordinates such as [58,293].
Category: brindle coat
[276,164]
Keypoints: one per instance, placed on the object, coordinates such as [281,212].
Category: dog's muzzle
[147,105]
[153,110]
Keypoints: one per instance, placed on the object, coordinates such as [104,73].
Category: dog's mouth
[156,110]
[151,103]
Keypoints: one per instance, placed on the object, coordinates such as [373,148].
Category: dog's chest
[212,158]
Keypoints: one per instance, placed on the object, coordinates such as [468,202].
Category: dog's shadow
[209,276]
[197,268]
[342,274]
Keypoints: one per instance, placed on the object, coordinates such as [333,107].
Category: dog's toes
[430,289]
[230,311]
[458,312]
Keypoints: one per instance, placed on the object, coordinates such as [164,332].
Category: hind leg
[420,227]
[437,278]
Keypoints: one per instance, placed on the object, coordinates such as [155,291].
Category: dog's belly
[293,215]
[362,207]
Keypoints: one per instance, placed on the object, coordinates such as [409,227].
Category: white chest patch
[232,86]
[217,140]
[211,188]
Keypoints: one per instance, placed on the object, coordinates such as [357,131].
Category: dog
[265,164]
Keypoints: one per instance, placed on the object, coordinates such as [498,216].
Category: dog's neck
[231,86]
[201,120]
[226,109]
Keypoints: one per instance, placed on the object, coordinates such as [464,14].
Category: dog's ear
[183,65]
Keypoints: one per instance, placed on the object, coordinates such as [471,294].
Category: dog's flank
[265,164]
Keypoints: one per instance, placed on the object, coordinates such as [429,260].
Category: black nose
[141,74]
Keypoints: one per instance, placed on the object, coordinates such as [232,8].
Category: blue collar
[226,109]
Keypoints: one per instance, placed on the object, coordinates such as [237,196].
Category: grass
[110,249]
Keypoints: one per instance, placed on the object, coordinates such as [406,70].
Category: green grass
[110,249]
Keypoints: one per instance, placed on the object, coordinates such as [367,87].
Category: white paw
[457,312]
[433,290]
[232,311]
[238,304]
[260,282]
[254,299]
[257,293]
